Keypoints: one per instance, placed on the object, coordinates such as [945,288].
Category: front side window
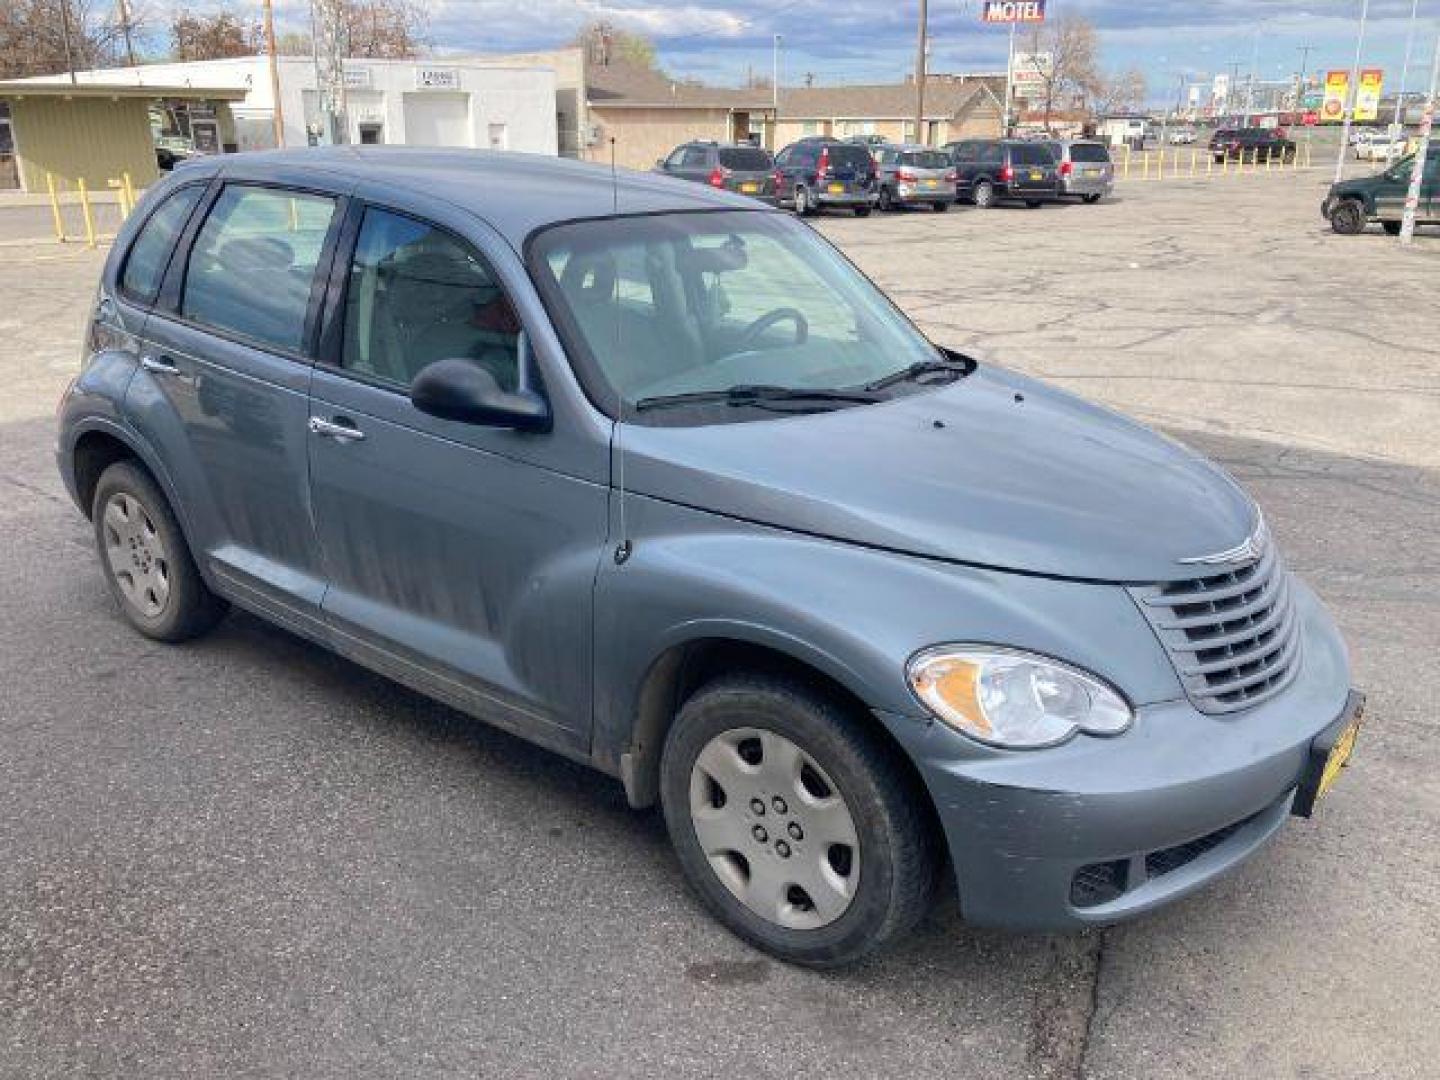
[416,295]
[684,303]
[150,254]
[253,266]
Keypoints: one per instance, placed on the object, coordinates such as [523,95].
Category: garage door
[437,119]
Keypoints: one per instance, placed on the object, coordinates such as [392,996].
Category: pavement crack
[1064,1007]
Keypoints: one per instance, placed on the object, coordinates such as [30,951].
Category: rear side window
[991,154]
[417,295]
[967,152]
[925,159]
[745,159]
[856,156]
[253,264]
[149,255]
[695,157]
[1088,151]
[1031,154]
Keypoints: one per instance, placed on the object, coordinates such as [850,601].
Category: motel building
[487,103]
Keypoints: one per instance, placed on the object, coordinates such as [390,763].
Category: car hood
[994,469]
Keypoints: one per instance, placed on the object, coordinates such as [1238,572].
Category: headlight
[1014,699]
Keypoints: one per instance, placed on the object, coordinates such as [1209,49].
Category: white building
[450,102]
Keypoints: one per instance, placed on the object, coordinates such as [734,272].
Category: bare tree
[212,37]
[608,44]
[46,37]
[385,29]
[1071,44]
[1121,91]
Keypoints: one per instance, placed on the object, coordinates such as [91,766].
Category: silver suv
[1086,170]
[650,474]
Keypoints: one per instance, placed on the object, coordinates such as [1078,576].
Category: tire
[803,206]
[887,201]
[862,211]
[1348,218]
[145,558]
[983,195]
[1033,204]
[1092,199]
[940,207]
[1391,227]
[846,781]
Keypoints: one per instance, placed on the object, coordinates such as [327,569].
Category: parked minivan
[989,170]
[910,175]
[650,474]
[816,173]
[1086,170]
[740,168]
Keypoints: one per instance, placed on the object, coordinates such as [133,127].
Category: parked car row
[818,173]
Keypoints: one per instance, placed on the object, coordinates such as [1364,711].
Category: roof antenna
[622,550]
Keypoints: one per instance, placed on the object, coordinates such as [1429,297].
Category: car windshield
[660,305]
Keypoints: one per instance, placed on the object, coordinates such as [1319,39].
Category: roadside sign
[1310,118]
[1337,89]
[1367,96]
[1013,11]
[1033,69]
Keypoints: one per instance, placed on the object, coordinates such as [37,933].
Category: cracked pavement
[248,857]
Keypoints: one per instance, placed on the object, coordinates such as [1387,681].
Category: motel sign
[1013,11]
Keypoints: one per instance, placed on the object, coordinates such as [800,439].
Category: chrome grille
[1231,635]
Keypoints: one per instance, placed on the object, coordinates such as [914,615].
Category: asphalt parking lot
[247,857]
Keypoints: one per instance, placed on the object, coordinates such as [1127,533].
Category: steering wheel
[752,333]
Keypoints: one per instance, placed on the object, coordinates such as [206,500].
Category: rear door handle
[341,429]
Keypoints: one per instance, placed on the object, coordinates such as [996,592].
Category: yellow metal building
[94,131]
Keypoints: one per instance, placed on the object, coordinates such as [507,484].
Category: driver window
[416,295]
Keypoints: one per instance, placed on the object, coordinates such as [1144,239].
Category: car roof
[515,193]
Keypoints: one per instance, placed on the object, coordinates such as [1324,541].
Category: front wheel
[862,211]
[1391,227]
[941,207]
[1348,218]
[1033,204]
[1090,198]
[795,822]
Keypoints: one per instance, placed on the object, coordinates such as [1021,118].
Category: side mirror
[461,390]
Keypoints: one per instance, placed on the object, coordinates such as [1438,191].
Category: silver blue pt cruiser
[652,476]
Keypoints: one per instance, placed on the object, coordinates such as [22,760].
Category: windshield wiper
[751,394]
[920,368]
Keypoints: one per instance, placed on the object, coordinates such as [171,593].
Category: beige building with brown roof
[648,114]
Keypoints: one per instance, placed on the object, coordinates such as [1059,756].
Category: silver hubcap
[775,829]
[136,556]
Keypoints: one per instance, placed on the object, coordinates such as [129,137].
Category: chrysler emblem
[1247,551]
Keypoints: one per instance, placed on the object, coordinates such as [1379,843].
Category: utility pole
[65,38]
[1422,152]
[1009,84]
[124,13]
[920,72]
[1231,87]
[1254,65]
[1405,70]
[329,18]
[279,112]
[1350,92]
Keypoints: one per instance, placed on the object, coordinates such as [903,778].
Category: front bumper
[1178,800]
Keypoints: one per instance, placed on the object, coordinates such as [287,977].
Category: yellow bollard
[55,208]
[1194,160]
[1307,155]
[1126,166]
[1145,167]
[1160,165]
[89,215]
[1224,162]
[129,193]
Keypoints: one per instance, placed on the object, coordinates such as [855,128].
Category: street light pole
[920,72]
[1009,84]
[775,94]
[1422,152]
[1348,107]
[1405,70]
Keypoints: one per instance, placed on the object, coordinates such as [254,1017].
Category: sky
[849,41]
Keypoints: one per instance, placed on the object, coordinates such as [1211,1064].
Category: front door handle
[159,365]
[342,430]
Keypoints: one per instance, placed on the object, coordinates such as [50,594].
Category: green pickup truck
[1351,204]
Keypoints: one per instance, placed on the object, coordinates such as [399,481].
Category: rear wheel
[1033,204]
[803,204]
[794,821]
[941,207]
[1391,227]
[983,195]
[1090,198]
[1348,218]
[862,211]
[887,201]
[146,561]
